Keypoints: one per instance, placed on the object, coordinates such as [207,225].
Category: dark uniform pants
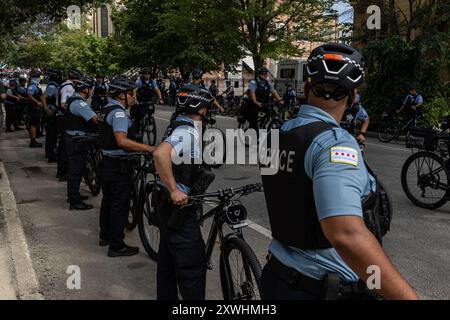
[10,115]
[51,138]
[116,189]
[61,148]
[76,153]
[251,115]
[181,256]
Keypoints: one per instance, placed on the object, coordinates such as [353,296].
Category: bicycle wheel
[242,137]
[240,271]
[135,206]
[425,180]
[147,226]
[150,130]
[387,132]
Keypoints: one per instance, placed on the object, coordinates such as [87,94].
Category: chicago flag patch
[344,155]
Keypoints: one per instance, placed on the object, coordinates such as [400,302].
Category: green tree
[270,28]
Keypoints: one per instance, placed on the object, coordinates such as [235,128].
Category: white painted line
[387,147]
[260,229]
[26,278]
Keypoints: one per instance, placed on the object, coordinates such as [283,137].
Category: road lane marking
[260,229]
[387,147]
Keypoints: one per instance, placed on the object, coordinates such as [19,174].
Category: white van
[291,72]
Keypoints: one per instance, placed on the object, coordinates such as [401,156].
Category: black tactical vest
[262,90]
[52,101]
[145,92]
[290,197]
[107,139]
[184,173]
[76,123]
[9,101]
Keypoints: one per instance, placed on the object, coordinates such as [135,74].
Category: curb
[25,278]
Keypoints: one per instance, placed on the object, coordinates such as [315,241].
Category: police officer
[22,91]
[197,80]
[80,120]
[34,107]
[181,255]
[65,91]
[99,96]
[50,101]
[11,103]
[356,116]
[321,246]
[412,106]
[146,88]
[117,138]
[259,92]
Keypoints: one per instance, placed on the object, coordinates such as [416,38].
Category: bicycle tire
[134,205]
[150,130]
[251,288]
[148,218]
[406,186]
[387,132]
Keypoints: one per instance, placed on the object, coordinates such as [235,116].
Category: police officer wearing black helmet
[99,96]
[80,120]
[50,102]
[181,255]
[11,104]
[197,80]
[34,107]
[259,92]
[327,226]
[117,138]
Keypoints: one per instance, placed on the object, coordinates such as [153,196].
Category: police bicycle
[392,127]
[240,270]
[145,122]
[92,174]
[425,174]
[270,116]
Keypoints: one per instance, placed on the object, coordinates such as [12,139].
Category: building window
[104,19]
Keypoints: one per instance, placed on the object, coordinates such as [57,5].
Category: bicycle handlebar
[230,192]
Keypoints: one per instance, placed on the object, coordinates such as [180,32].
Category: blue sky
[345,11]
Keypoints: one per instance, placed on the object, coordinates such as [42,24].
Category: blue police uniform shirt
[418,99]
[120,122]
[33,87]
[80,108]
[22,90]
[52,91]
[185,140]
[253,85]
[153,84]
[338,189]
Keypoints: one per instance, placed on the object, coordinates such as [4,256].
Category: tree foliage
[412,48]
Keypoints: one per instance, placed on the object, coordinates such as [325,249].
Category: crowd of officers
[322,245]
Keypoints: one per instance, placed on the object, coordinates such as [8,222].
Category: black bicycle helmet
[145,70]
[100,75]
[120,84]
[36,73]
[84,83]
[191,98]
[74,74]
[337,64]
[54,74]
[197,73]
[262,69]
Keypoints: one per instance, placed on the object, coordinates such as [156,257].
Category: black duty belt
[298,280]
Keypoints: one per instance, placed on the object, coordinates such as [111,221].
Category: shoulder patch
[83,104]
[120,114]
[344,155]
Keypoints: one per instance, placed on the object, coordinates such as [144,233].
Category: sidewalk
[18,279]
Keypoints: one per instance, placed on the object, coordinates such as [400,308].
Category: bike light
[235,214]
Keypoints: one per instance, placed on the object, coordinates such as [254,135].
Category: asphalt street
[418,243]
